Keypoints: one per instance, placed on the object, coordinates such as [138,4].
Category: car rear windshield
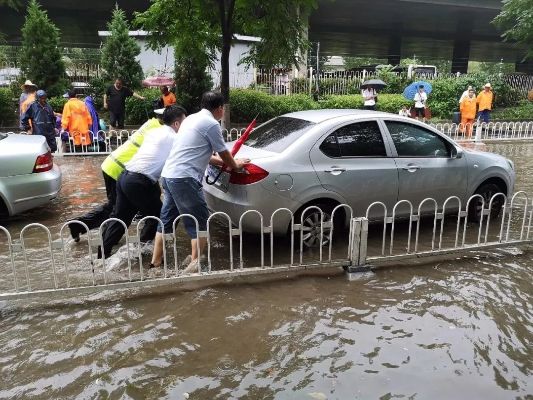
[278,134]
[3,136]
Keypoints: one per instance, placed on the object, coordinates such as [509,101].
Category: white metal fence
[449,232]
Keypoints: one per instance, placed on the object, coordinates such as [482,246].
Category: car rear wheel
[486,190]
[311,224]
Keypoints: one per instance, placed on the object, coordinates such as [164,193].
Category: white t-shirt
[151,157]
[420,99]
[367,93]
[465,94]
[404,113]
[199,136]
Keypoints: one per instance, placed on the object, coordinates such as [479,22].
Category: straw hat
[28,83]
[487,85]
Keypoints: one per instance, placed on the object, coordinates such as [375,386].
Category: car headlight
[511,164]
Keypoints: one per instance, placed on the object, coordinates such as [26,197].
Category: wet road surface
[460,328]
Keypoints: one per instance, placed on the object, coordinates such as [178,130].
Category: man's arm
[105,101]
[230,162]
[25,122]
[137,95]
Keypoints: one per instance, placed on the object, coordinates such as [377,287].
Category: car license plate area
[222,182]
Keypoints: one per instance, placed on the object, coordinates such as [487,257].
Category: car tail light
[44,163]
[250,173]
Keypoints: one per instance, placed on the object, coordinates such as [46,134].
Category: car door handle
[411,168]
[336,170]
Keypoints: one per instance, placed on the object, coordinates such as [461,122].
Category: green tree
[192,80]
[40,58]
[205,27]
[120,51]
[516,22]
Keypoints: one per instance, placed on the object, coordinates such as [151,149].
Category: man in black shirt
[115,100]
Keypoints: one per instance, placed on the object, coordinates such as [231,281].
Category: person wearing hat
[484,102]
[26,98]
[112,167]
[43,120]
[465,94]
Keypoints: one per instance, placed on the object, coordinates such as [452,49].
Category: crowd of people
[171,151]
[79,121]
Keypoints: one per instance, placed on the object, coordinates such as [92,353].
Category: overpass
[457,30]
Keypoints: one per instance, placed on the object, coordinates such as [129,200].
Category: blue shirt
[198,137]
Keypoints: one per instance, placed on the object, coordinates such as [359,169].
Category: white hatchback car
[356,157]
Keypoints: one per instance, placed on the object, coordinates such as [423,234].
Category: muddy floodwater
[455,329]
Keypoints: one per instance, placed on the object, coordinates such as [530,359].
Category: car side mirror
[456,153]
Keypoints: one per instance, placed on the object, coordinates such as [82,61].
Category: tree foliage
[120,51]
[40,58]
[516,22]
[200,29]
[192,80]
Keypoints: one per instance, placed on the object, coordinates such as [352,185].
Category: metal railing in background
[457,235]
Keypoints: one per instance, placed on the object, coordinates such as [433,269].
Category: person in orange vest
[76,120]
[484,101]
[167,97]
[468,112]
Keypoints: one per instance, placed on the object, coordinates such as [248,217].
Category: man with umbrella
[369,93]
[420,99]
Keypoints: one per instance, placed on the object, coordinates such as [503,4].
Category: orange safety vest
[468,108]
[76,120]
[484,100]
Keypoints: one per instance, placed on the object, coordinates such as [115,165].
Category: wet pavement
[460,328]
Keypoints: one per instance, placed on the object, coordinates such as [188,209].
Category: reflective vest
[468,108]
[114,164]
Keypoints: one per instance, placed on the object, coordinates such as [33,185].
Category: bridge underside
[429,29]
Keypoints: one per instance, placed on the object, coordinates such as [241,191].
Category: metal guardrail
[356,241]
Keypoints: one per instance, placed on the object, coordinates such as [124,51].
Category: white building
[162,62]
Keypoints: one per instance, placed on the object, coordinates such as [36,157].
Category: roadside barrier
[453,229]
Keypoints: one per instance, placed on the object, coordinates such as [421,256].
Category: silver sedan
[28,176]
[354,157]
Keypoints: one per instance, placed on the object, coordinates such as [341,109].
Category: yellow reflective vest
[114,164]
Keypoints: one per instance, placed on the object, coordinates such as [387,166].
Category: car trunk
[18,153]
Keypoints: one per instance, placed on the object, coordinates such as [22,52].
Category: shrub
[137,110]
[8,112]
[523,112]
[57,103]
[192,81]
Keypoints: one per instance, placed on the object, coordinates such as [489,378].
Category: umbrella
[156,81]
[410,91]
[376,83]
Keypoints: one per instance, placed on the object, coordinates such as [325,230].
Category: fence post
[477,139]
[310,80]
[359,245]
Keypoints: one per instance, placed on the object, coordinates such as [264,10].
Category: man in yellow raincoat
[76,120]
[468,112]
[485,100]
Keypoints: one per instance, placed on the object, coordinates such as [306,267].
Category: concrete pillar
[395,49]
[461,44]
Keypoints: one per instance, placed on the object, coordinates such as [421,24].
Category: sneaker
[192,267]
[186,261]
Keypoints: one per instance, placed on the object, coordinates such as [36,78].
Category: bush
[521,112]
[57,103]
[8,113]
[137,110]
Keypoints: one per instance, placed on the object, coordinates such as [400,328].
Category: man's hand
[241,162]
[28,132]
[142,98]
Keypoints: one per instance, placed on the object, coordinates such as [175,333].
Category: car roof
[318,116]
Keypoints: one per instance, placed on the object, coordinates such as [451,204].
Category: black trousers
[135,193]
[117,118]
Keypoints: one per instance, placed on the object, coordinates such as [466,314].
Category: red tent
[156,81]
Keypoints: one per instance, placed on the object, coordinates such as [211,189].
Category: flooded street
[460,329]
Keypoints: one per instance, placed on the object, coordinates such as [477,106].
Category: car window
[278,134]
[362,139]
[3,135]
[414,141]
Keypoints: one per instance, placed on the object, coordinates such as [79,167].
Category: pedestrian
[200,136]
[94,129]
[42,118]
[468,113]
[138,187]
[115,101]
[112,167]
[26,98]
[420,100]
[485,100]
[76,121]
[369,97]
[167,97]
[404,112]
[465,94]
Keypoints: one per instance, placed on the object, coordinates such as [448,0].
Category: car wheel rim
[311,230]
[496,204]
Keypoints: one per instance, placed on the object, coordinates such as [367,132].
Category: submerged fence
[405,231]
[104,142]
